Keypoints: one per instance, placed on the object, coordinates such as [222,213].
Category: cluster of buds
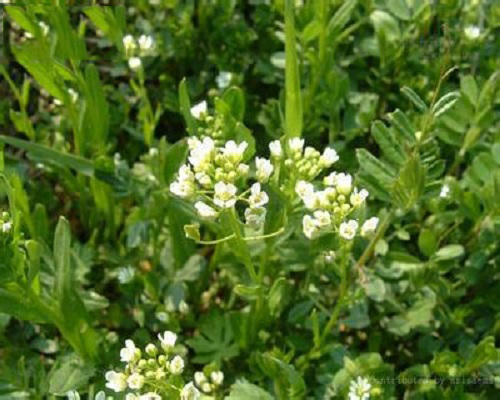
[5,223]
[214,177]
[332,205]
[209,380]
[149,374]
[135,49]
[307,163]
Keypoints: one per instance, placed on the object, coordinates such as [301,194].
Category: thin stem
[233,219]
[225,239]
[269,235]
[373,242]
[342,296]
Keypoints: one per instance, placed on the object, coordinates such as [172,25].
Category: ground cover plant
[250,200]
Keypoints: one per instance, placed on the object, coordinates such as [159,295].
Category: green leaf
[72,374]
[427,242]
[449,252]
[372,166]
[414,98]
[185,107]
[215,342]
[276,294]
[51,156]
[399,8]
[242,390]
[445,103]
[403,125]
[284,375]
[388,143]
[191,270]
[341,17]
[62,259]
[468,87]
[179,216]
[172,159]
[293,98]
[235,100]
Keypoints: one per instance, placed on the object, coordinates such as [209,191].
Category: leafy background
[398,88]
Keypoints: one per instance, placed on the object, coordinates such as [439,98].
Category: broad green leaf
[284,375]
[399,8]
[242,390]
[72,374]
[293,97]
[427,242]
[191,270]
[468,87]
[178,216]
[235,100]
[449,252]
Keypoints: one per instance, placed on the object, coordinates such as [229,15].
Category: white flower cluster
[332,205]
[5,223]
[146,374]
[135,49]
[215,173]
[208,382]
[359,389]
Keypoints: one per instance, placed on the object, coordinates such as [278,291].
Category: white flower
[257,197]
[358,198]
[102,396]
[6,227]
[330,180]
[369,226]
[304,189]
[201,153]
[204,210]
[472,32]
[146,44]
[217,377]
[329,157]
[199,378]
[445,191]
[182,188]
[189,392]
[296,144]
[199,109]
[129,352]
[275,148]
[134,63]
[225,194]
[177,365]
[348,229]
[73,395]
[129,43]
[167,340]
[44,27]
[343,182]
[150,396]
[359,389]
[243,170]
[234,152]
[255,217]
[126,274]
[116,381]
[310,226]
[323,218]
[207,387]
[131,396]
[135,381]
[264,169]
[223,79]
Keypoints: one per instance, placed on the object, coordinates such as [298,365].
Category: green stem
[240,240]
[342,296]
[373,242]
